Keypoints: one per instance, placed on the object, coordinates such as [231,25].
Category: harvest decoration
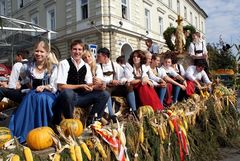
[190,130]
[5,135]
[167,34]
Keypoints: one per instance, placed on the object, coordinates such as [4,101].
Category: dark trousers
[68,99]
[13,94]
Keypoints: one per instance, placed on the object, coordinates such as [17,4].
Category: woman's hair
[155,56]
[140,54]
[93,64]
[51,58]
[121,59]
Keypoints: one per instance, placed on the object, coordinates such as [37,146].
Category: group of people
[48,91]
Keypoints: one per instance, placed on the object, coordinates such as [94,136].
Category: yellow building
[120,25]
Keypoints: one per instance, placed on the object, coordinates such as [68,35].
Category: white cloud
[223,19]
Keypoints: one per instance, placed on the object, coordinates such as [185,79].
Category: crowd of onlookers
[48,91]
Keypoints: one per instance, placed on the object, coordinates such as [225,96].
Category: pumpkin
[40,138]
[5,135]
[72,127]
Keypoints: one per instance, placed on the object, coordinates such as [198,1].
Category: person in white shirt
[113,76]
[197,78]
[175,89]
[14,79]
[75,82]
[198,50]
[181,71]
[136,73]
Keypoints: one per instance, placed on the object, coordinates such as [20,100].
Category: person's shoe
[89,121]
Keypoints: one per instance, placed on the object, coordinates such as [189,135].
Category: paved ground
[230,154]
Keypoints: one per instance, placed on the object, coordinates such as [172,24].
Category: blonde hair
[51,58]
[93,64]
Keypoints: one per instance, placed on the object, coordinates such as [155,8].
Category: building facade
[120,25]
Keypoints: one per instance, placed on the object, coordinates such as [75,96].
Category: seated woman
[197,77]
[172,88]
[35,110]
[97,73]
[136,74]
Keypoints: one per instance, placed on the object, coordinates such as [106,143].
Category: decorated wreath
[170,31]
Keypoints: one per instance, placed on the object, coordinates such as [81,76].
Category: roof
[16,34]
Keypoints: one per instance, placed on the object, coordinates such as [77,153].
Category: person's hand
[185,83]
[183,87]
[150,83]
[40,88]
[97,81]
[18,85]
[114,82]
[3,84]
[162,84]
[99,87]
[87,87]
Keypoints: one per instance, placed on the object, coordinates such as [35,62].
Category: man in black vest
[75,82]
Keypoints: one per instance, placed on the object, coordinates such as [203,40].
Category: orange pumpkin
[5,135]
[40,138]
[72,127]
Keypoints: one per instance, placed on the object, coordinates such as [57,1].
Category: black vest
[76,77]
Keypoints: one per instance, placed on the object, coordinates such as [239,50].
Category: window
[170,24]
[202,26]
[51,19]
[160,25]
[125,9]
[185,12]
[19,4]
[147,19]
[84,9]
[196,22]
[178,7]
[191,18]
[170,4]
[34,20]
[2,7]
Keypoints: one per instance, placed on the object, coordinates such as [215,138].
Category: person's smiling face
[76,52]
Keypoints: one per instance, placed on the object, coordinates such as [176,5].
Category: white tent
[12,25]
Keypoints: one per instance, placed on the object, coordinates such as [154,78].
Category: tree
[219,58]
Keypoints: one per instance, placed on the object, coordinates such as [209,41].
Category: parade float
[193,129]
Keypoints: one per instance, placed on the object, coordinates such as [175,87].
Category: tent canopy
[16,34]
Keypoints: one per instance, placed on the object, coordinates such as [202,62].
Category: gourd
[72,127]
[40,138]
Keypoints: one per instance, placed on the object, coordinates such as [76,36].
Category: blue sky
[223,19]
